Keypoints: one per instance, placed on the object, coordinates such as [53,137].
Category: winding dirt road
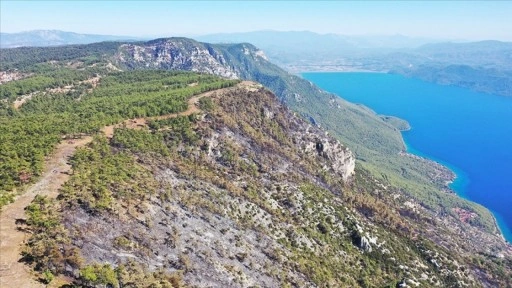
[16,274]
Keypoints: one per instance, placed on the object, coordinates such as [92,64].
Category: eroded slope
[242,194]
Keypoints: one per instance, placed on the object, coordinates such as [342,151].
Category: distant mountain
[285,47]
[485,54]
[293,39]
[304,46]
[483,66]
[42,38]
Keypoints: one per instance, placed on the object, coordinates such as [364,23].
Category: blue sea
[469,132]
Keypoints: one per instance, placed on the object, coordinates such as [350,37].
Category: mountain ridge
[42,38]
[393,198]
[426,59]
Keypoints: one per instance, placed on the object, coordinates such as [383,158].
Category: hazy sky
[472,20]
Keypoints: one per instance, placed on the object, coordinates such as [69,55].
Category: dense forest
[30,133]
[24,58]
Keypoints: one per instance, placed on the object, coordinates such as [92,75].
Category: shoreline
[337,71]
[497,223]
[460,183]
[460,178]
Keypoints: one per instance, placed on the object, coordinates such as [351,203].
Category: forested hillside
[196,180]
[30,133]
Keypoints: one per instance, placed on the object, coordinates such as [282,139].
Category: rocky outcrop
[7,76]
[187,54]
[402,283]
[342,161]
[339,160]
[245,61]
[365,244]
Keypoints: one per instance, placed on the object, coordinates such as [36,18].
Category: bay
[469,132]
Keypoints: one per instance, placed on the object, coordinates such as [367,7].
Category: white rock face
[260,53]
[343,162]
[340,162]
[186,54]
[365,244]
[175,55]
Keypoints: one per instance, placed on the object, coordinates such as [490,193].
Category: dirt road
[139,123]
[14,273]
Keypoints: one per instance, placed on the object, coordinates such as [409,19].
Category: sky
[468,20]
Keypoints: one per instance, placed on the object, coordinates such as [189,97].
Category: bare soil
[14,273]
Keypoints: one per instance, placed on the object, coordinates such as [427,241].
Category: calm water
[469,132]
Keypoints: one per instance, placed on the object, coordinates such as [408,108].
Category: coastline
[458,186]
[460,180]
[497,220]
[461,184]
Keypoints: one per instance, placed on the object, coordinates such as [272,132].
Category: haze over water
[468,131]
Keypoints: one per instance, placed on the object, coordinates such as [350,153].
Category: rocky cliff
[186,54]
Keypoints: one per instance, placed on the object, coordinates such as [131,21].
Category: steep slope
[243,194]
[244,61]
[19,145]
[374,141]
